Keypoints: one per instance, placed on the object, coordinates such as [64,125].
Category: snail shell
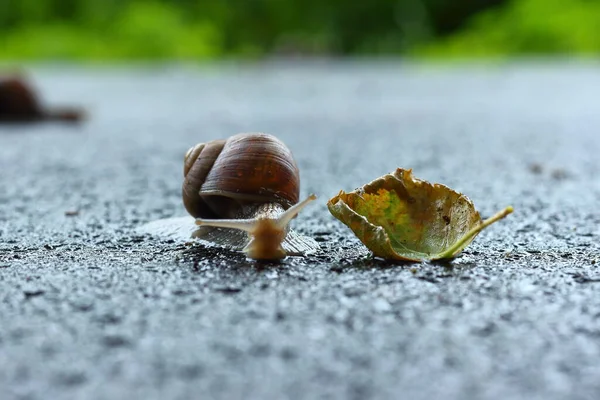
[17,100]
[223,175]
[247,187]
[19,103]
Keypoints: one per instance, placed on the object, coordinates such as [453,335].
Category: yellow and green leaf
[400,217]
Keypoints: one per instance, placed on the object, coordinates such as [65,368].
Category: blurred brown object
[19,103]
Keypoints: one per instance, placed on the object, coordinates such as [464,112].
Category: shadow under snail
[19,103]
[242,192]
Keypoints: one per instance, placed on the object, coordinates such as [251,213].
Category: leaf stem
[449,253]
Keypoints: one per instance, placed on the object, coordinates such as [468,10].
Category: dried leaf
[400,217]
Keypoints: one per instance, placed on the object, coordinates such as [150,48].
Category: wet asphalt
[90,309]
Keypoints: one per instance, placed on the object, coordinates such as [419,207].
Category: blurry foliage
[526,27]
[104,30]
[202,29]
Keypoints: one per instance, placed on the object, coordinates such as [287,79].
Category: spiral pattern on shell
[223,175]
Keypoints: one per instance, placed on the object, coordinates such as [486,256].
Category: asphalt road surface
[90,309]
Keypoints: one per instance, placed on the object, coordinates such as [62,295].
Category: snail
[243,192]
[19,103]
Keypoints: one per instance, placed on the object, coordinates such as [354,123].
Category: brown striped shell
[221,176]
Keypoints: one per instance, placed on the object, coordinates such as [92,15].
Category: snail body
[19,103]
[243,192]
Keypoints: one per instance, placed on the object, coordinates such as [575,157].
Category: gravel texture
[89,309]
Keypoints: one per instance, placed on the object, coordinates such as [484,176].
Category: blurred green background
[203,29]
